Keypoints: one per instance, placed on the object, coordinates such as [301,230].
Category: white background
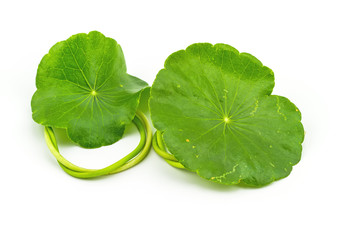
[313,48]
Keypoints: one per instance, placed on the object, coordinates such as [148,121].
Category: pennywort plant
[83,87]
[211,105]
[215,115]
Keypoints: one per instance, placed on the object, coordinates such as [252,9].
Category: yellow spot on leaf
[187,140]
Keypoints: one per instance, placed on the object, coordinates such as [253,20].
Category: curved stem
[160,149]
[160,141]
[53,147]
[113,167]
[145,150]
[136,156]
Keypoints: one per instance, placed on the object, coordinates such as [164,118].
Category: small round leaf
[82,86]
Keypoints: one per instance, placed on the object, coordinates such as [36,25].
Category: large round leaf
[213,105]
[82,85]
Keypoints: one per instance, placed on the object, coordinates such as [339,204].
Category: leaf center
[226,120]
[93,92]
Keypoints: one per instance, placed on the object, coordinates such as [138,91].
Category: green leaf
[82,86]
[214,107]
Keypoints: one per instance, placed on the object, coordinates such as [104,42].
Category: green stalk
[53,147]
[160,149]
[130,160]
[145,150]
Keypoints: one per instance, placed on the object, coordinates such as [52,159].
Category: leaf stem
[130,160]
[159,147]
[145,150]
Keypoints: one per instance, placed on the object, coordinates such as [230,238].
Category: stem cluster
[130,160]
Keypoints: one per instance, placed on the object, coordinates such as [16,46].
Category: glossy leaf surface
[82,86]
[214,107]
